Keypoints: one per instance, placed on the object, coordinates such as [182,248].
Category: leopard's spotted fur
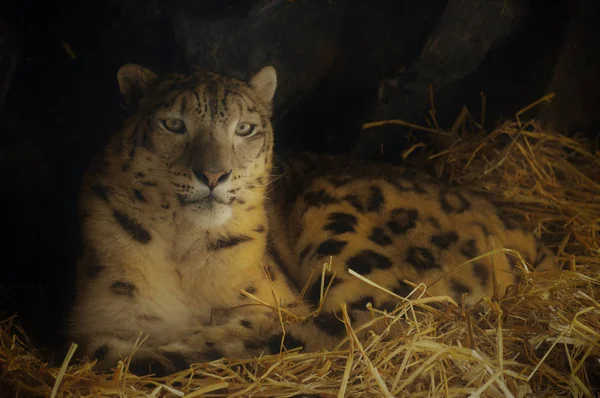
[187,222]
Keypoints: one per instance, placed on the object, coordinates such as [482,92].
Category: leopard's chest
[181,290]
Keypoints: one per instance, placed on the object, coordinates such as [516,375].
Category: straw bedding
[541,338]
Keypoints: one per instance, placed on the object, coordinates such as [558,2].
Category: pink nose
[212,178]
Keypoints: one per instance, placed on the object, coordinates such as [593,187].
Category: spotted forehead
[206,93]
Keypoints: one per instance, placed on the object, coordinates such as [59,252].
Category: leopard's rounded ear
[264,83]
[135,81]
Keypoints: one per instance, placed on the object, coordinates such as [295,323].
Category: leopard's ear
[135,82]
[264,83]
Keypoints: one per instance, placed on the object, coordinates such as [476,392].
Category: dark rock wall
[576,76]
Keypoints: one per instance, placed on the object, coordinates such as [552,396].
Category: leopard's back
[397,228]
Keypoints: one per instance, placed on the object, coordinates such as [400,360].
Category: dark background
[59,98]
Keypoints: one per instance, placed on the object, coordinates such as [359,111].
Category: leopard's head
[206,138]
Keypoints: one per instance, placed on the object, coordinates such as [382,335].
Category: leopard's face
[209,140]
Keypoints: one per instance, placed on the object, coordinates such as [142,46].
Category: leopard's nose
[212,178]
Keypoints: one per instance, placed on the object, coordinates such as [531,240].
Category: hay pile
[541,339]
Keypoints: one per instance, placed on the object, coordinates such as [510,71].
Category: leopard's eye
[244,129]
[174,125]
